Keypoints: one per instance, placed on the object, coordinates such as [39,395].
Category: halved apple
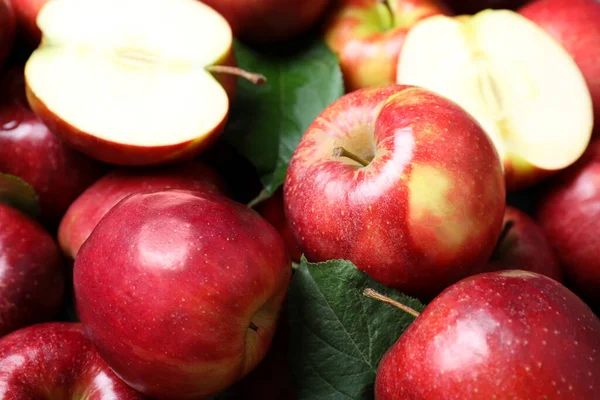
[520,84]
[130,81]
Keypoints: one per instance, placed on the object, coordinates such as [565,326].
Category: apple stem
[370,293]
[257,79]
[253,326]
[505,230]
[342,152]
[388,6]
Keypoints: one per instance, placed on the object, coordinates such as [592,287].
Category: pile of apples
[109,111]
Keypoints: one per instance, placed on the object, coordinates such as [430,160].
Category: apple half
[516,80]
[131,82]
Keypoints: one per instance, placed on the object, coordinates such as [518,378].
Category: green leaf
[19,194]
[267,122]
[338,334]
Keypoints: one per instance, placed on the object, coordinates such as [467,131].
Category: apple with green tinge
[400,181]
[31,272]
[162,79]
[368,35]
[200,281]
[498,335]
[569,213]
[524,245]
[55,361]
[529,96]
[88,209]
[7,29]
[30,151]
[269,21]
[575,24]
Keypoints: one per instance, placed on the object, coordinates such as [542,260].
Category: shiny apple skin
[30,151]
[269,21]
[569,213]
[575,24]
[525,247]
[55,361]
[32,278]
[88,209]
[133,155]
[168,284]
[368,48]
[499,335]
[7,29]
[426,212]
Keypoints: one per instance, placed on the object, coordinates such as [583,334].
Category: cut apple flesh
[521,85]
[132,71]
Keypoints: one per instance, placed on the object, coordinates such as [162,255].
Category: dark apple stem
[387,5]
[257,79]
[505,230]
[378,296]
[342,152]
[253,326]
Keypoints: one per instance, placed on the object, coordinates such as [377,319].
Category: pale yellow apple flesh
[132,71]
[521,85]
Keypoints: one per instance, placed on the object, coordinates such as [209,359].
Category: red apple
[416,199]
[162,77]
[181,291]
[89,208]
[7,29]
[368,35]
[269,21]
[30,151]
[569,212]
[525,246]
[575,24]
[56,361]
[272,210]
[499,335]
[26,12]
[474,6]
[31,272]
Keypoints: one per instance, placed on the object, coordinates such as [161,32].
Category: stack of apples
[180,288]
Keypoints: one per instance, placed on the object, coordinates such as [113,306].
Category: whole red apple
[7,29]
[181,291]
[575,24]
[569,212]
[56,361]
[269,21]
[26,12]
[525,246]
[31,272]
[88,209]
[30,151]
[414,194]
[272,210]
[368,35]
[498,335]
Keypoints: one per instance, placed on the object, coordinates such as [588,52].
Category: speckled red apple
[56,361]
[88,209]
[31,272]
[499,335]
[181,291]
[421,204]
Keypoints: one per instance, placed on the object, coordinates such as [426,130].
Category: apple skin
[56,361]
[90,207]
[174,263]
[7,29]
[509,334]
[26,12]
[427,210]
[272,210]
[474,6]
[575,24]
[132,155]
[569,213]
[269,21]
[32,281]
[30,151]
[525,247]
[368,52]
